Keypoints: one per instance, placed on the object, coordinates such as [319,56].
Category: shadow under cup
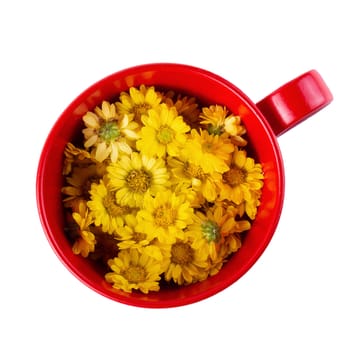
[208,88]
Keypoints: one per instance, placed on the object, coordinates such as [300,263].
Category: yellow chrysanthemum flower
[218,121]
[213,226]
[137,102]
[210,152]
[243,181]
[235,129]
[163,132]
[132,270]
[131,237]
[165,216]
[108,133]
[185,106]
[106,212]
[85,244]
[184,188]
[79,183]
[186,263]
[233,242]
[134,175]
[251,206]
[74,156]
[203,183]
[231,245]
[231,233]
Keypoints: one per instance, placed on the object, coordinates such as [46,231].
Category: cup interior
[208,88]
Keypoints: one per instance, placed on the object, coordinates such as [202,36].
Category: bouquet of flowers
[159,189]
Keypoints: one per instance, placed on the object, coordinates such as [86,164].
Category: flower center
[139,236]
[235,176]
[164,215]
[109,131]
[135,274]
[192,170]
[181,253]
[215,130]
[138,180]
[165,134]
[112,207]
[210,231]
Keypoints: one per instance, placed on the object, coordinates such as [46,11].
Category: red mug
[272,116]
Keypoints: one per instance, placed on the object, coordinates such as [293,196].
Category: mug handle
[295,101]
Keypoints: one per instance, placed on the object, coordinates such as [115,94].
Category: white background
[297,296]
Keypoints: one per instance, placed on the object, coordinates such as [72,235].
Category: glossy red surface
[295,101]
[208,88]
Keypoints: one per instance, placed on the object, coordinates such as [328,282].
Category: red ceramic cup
[278,112]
